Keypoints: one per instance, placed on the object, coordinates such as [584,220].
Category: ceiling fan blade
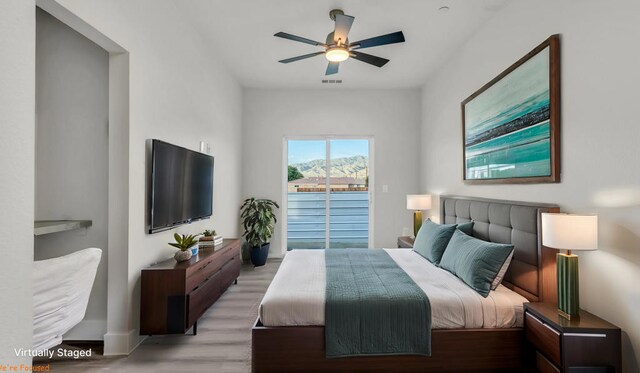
[373,60]
[343,25]
[332,68]
[394,37]
[298,58]
[284,35]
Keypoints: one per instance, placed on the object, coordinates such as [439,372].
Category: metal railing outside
[348,220]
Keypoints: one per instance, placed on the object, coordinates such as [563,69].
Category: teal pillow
[466,228]
[432,240]
[474,261]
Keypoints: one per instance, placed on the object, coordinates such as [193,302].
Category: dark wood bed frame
[302,348]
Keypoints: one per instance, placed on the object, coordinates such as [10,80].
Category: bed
[289,334]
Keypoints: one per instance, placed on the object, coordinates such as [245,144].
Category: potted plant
[208,239]
[184,242]
[258,220]
[208,234]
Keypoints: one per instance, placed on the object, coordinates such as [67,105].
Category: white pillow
[501,272]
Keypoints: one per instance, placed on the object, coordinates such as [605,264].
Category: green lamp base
[568,285]
[417,222]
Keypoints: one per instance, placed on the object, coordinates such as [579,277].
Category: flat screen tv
[181,186]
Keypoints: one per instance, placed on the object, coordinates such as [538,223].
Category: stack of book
[208,242]
[217,240]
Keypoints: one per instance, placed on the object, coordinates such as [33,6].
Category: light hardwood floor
[223,343]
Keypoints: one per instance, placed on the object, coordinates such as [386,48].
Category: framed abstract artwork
[511,126]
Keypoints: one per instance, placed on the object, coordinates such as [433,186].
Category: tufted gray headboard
[532,272]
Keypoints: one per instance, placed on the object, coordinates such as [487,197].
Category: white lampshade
[569,231]
[418,202]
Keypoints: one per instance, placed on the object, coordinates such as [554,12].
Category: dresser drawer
[201,298]
[544,365]
[545,338]
[209,291]
[209,267]
[205,271]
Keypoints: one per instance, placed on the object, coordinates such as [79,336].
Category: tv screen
[181,186]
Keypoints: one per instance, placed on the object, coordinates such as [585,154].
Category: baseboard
[118,344]
[87,330]
[135,339]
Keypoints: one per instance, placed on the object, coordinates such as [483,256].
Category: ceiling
[241,33]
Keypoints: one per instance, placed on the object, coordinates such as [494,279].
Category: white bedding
[296,295]
[61,290]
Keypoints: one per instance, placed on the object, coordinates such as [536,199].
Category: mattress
[296,295]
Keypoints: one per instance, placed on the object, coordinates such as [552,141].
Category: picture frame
[511,126]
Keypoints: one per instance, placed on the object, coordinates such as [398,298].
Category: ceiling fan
[337,47]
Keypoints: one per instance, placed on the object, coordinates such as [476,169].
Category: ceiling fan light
[337,54]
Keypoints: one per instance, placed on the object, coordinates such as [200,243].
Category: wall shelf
[53,226]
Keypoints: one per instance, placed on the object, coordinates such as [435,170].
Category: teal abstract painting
[509,134]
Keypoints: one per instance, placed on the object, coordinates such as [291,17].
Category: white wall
[392,117]
[600,134]
[72,130]
[17,127]
[178,93]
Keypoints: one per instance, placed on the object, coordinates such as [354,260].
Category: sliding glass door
[306,197]
[328,199]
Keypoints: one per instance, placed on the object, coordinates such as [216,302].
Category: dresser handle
[204,266]
[535,318]
[545,325]
[552,329]
[589,335]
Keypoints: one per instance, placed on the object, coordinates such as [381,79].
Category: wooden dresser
[586,344]
[174,295]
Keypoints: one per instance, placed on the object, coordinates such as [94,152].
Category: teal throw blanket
[373,307]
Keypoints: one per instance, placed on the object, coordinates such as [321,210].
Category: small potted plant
[258,220]
[184,242]
[208,239]
[208,234]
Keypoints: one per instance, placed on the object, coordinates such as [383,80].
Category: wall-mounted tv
[181,187]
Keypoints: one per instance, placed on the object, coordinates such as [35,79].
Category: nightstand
[405,242]
[584,344]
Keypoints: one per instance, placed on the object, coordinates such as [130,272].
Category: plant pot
[182,256]
[259,255]
[245,252]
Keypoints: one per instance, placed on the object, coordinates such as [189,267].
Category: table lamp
[569,232]
[417,203]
